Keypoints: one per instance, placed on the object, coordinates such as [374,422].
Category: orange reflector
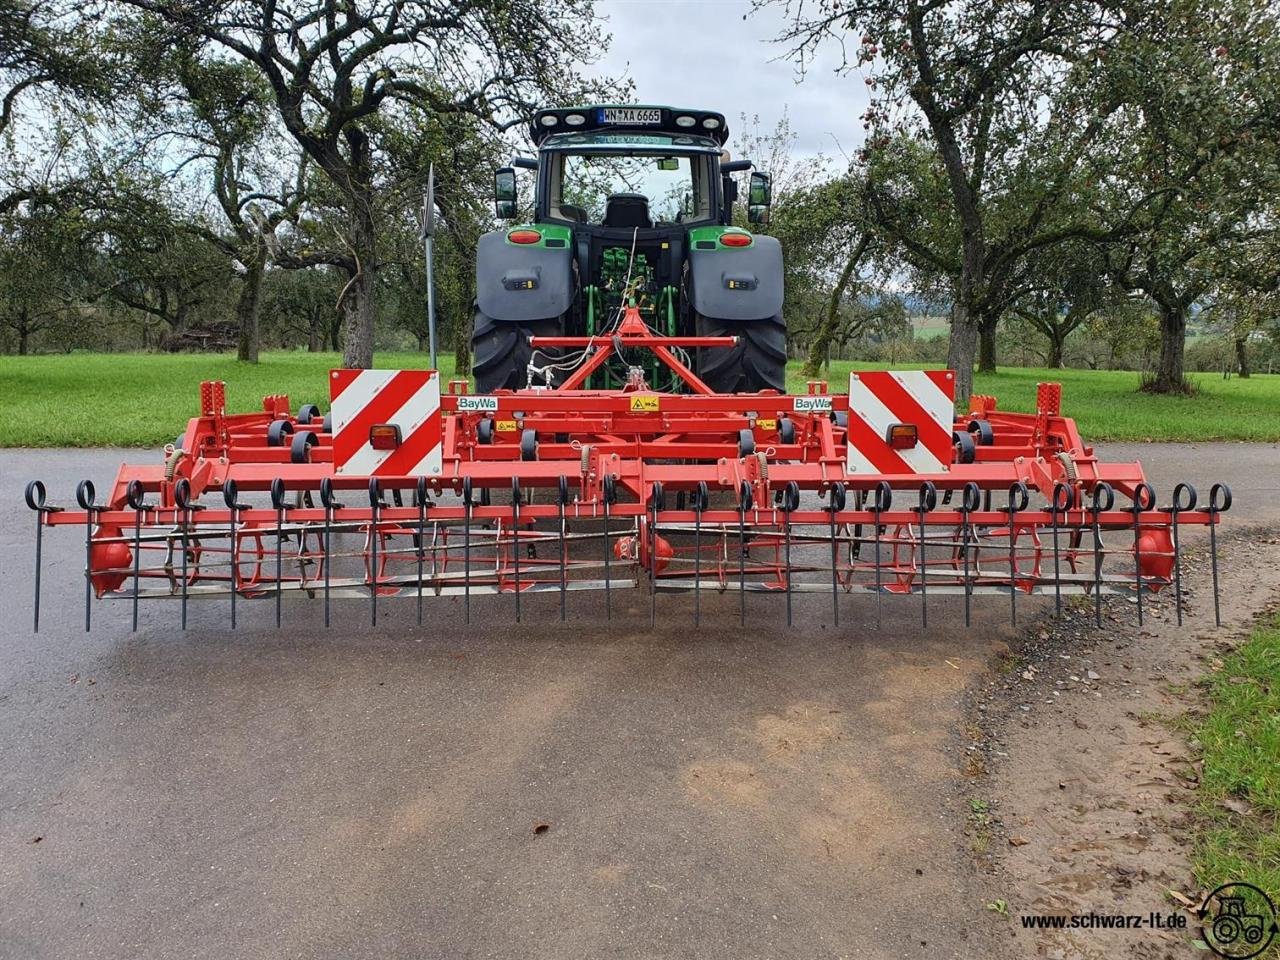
[384,436]
[524,236]
[735,239]
[902,436]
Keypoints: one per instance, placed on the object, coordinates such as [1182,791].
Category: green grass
[1240,740]
[145,399]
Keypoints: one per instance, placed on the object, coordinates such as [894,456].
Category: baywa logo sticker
[1238,921]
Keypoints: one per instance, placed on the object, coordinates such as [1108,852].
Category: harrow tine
[562,500]
[36,501]
[836,498]
[1184,498]
[421,494]
[701,497]
[655,498]
[1144,498]
[1219,502]
[230,495]
[182,499]
[85,498]
[1104,498]
[744,504]
[134,495]
[515,537]
[928,500]
[1061,501]
[790,502]
[609,495]
[375,501]
[881,502]
[970,500]
[466,549]
[277,501]
[329,504]
[1018,499]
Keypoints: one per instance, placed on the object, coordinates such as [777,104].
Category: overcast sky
[703,53]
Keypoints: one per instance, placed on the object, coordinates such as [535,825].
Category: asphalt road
[357,793]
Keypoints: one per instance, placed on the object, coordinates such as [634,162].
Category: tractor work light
[575,119]
[686,121]
[736,239]
[711,123]
[902,436]
[548,120]
[384,436]
[524,236]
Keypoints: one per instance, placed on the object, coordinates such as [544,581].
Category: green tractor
[633,208]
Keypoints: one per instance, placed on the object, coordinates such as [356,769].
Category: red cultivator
[402,491]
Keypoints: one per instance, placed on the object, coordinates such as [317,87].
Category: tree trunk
[1057,346]
[987,345]
[1169,376]
[24,335]
[462,347]
[1242,357]
[358,298]
[315,330]
[247,308]
[826,331]
[961,350]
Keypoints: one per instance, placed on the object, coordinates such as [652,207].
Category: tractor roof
[618,117]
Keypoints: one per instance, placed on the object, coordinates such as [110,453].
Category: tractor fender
[737,283]
[521,282]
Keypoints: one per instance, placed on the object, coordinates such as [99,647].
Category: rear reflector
[736,239]
[524,236]
[384,436]
[902,436]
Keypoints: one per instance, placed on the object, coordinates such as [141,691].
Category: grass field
[146,399]
[1239,795]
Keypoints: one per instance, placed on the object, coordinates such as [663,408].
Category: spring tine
[970,499]
[1219,502]
[277,501]
[655,497]
[85,497]
[1018,499]
[882,501]
[744,504]
[928,500]
[607,494]
[422,527]
[1103,499]
[466,549]
[1144,498]
[181,497]
[326,499]
[563,499]
[837,500]
[1060,502]
[515,536]
[700,498]
[1184,498]
[35,500]
[375,498]
[134,495]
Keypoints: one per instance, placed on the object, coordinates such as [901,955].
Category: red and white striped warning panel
[407,399]
[881,399]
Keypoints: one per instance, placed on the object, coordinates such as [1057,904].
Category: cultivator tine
[1219,502]
[330,504]
[701,497]
[36,497]
[85,496]
[375,501]
[1184,498]
[790,503]
[1144,498]
[134,494]
[970,500]
[1104,498]
[421,495]
[655,499]
[1018,500]
[1061,501]
[277,501]
[744,504]
[230,495]
[466,549]
[562,501]
[609,495]
[515,537]
[836,503]
[881,501]
[928,500]
[182,499]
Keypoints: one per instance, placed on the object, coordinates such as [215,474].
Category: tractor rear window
[630,190]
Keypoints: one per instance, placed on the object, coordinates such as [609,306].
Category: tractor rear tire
[501,353]
[757,362]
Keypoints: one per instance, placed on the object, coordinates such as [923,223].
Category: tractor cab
[632,206]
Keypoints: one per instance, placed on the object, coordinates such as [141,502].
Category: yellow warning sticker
[645,403]
[505,426]
[767,424]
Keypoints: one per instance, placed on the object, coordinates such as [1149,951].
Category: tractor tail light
[524,236]
[902,436]
[384,436]
[735,239]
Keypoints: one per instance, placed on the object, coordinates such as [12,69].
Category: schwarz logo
[1238,921]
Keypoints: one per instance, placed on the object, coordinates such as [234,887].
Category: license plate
[630,116]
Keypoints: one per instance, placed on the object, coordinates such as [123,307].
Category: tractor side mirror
[504,193]
[759,197]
